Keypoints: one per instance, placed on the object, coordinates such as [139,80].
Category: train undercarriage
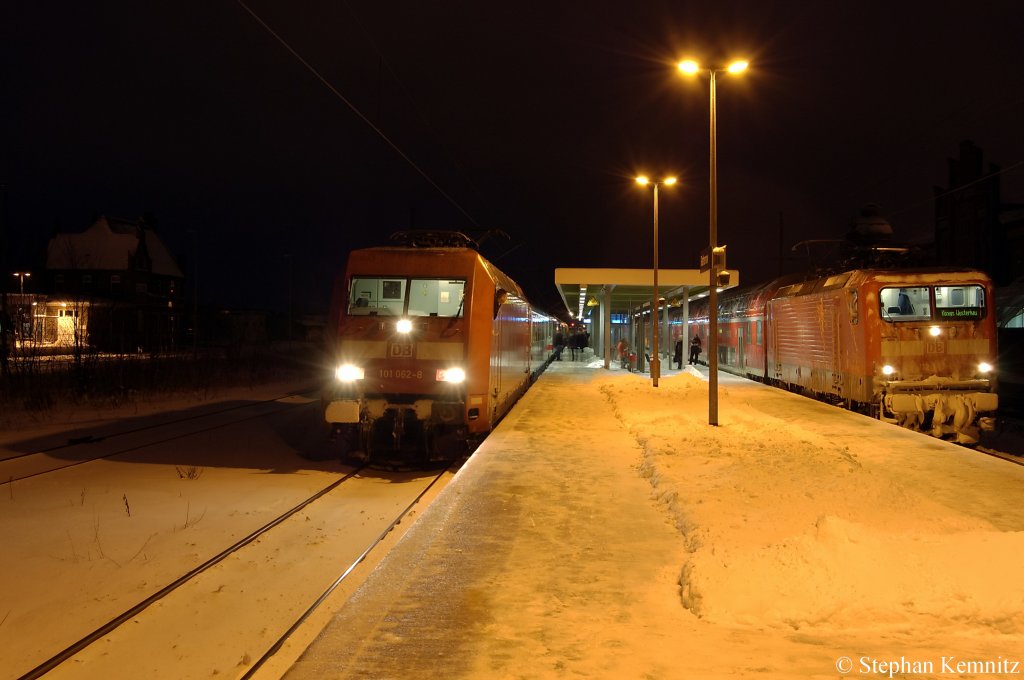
[956,414]
[382,432]
[956,411]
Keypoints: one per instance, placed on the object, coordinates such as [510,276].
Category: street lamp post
[690,67]
[21,303]
[21,280]
[655,359]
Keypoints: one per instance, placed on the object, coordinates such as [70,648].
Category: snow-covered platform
[605,530]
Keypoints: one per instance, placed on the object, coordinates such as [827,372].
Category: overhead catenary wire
[386,63]
[358,113]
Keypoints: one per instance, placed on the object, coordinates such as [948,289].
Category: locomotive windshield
[398,296]
[924,303]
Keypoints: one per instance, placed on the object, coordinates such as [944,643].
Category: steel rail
[276,647]
[122,618]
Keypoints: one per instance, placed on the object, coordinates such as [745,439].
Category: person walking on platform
[623,350]
[558,343]
[574,344]
[695,348]
[677,355]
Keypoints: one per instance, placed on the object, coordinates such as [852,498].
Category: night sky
[526,118]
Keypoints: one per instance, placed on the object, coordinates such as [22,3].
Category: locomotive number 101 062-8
[400,373]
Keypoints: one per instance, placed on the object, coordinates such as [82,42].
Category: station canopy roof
[584,288]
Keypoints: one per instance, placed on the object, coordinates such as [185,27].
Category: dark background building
[123,283]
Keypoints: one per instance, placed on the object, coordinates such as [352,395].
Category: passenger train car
[432,345]
[912,347]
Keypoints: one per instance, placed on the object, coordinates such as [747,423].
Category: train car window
[908,303]
[959,302]
[436,297]
[500,298]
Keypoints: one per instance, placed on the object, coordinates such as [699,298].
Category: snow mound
[798,515]
[844,573]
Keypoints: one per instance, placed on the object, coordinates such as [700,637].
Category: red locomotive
[914,347]
[432,345]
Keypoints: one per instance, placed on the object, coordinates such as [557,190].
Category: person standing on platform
[623,350]
[677,355]
[558,343]
[695,349]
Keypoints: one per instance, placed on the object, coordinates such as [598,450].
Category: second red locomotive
[913,347]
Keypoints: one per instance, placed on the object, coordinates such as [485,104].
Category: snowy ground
[794,540]
[807,520]
[608,531]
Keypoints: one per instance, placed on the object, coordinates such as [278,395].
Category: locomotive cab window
[436,297]
[376,295]
[959,302]
[389,296]
[906,303]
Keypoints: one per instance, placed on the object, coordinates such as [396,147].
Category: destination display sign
[958,313]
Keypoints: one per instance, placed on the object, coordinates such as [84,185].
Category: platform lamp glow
[692,68]
[21,280]
[655,359]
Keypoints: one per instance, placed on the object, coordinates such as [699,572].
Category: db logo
[400,350]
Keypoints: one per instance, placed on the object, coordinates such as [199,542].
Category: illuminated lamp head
[403,326]
[348,373]
[985,367]
[934,331]
[451,375]
[888,370]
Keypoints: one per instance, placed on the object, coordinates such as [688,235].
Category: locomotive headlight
[348,373]
[403,326]
[934,331]
[888,370]
[985,367]
[451,375]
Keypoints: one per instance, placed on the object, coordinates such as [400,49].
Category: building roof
[110,244]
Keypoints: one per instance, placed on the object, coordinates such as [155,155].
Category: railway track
[83,655]
[134,611]
[72,567]
[1007,442]
[86,448]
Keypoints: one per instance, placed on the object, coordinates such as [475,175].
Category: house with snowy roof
[116,285]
